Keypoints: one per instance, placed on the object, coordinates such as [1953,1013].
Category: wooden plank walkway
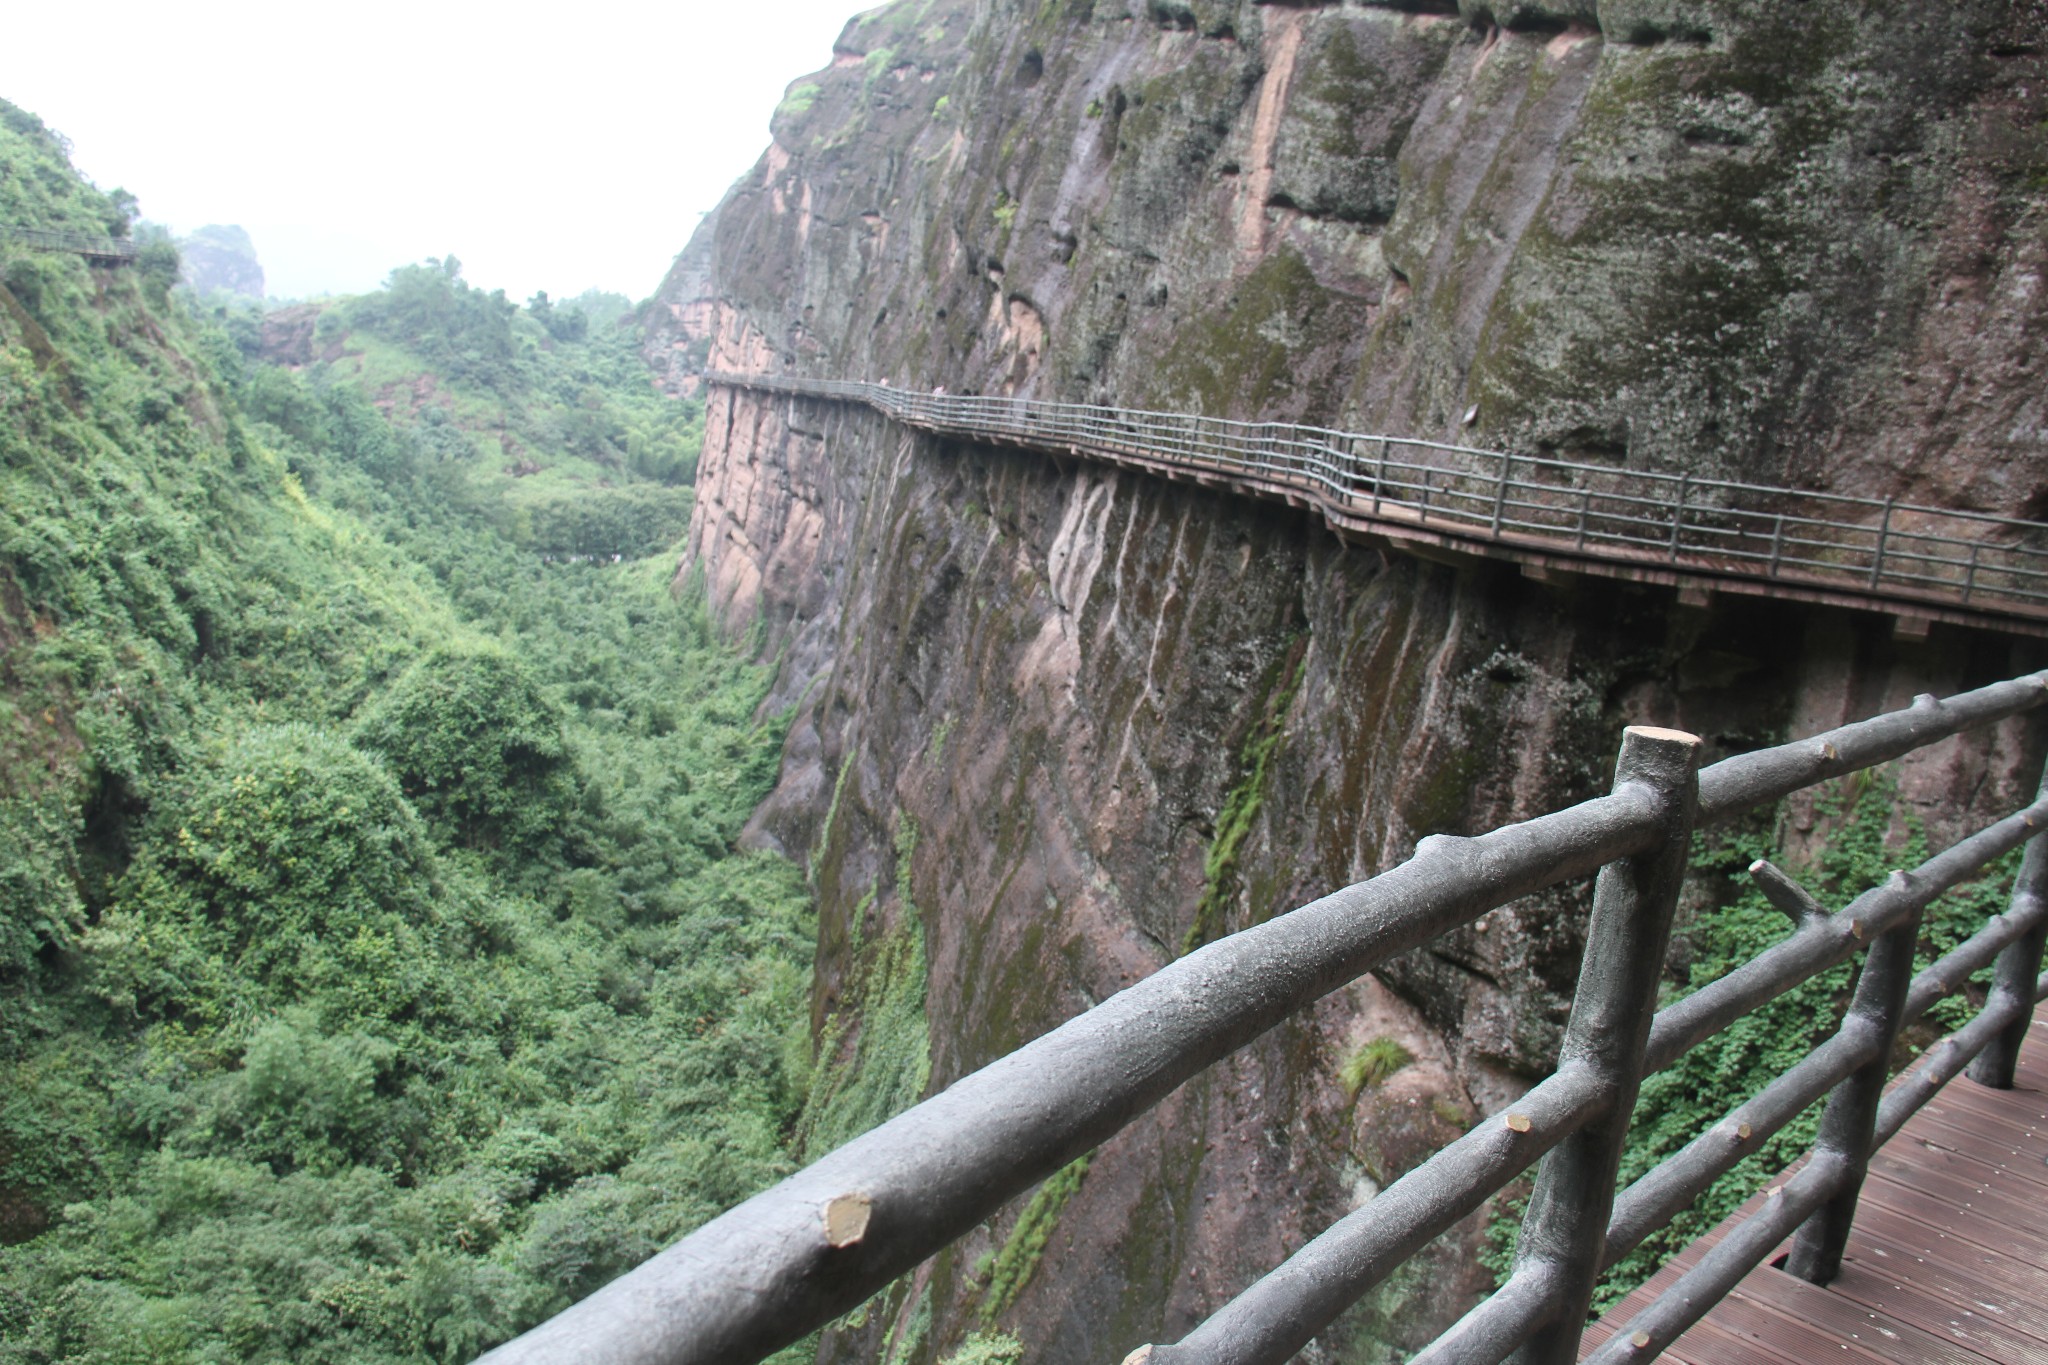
[1558,520]
[1948,1264]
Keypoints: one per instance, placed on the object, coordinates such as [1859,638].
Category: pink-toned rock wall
[1034,698]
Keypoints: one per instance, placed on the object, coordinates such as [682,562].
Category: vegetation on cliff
[377,973]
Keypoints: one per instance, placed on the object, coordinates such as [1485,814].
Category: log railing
[820,1243]
[1877,553]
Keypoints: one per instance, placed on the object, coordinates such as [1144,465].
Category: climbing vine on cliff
[1244,800]
[1012,1267]
[874,1056]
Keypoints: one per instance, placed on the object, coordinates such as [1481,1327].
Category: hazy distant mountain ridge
[221,259]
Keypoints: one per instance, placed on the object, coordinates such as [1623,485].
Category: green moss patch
[1242,804]
[1014,1264]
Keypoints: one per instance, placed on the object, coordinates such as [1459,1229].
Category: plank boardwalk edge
[1972,1296]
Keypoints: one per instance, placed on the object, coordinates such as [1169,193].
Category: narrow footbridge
[819,1244]
[99,250]
[1554,517]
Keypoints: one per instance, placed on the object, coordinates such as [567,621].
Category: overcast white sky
[559,147]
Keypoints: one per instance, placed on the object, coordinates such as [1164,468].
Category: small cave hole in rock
[1166,14]
[1032,69]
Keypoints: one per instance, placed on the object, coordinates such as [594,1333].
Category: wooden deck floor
[1948,1264]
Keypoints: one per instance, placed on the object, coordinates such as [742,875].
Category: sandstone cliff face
[1057,723]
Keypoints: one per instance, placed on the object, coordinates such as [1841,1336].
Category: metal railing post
[1500,493]
[1848,1128]
[1379,478]
[1585,510]
[2018,967]
[1678,514]
[1777,542]
[1428,478]
[1970,574]
[1884,531]
[1564,1233]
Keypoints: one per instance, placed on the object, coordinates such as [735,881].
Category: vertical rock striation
[1056,723]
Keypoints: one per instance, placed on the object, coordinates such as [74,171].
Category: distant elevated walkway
[1553,517]
[99,250]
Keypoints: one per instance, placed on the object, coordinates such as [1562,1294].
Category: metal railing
[820,1243]
[1860,548]
[107,249]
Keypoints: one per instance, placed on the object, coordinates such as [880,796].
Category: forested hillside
[377,973]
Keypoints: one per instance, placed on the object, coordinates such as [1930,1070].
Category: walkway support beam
[1966,567]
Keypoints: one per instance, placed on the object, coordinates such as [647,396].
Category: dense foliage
[377,973]
[545,390]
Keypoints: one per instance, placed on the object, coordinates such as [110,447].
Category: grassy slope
[375,971]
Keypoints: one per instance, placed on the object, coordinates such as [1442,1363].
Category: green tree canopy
[291,869]
[477,747]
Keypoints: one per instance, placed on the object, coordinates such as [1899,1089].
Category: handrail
[1860,551]
[795,1256]
[107,249]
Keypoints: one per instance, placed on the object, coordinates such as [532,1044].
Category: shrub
[477,748]
[291,868]
[306,1101]
[798,100]
[635,521]
[1371,1062]
[988,1348]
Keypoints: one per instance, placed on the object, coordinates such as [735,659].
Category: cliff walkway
[1553,517]
[99,250]
[1965,1182]
[1947,1263]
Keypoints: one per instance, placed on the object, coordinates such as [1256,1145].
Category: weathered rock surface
[1063,721]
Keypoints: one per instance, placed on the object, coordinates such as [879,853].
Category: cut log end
[846,1220]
